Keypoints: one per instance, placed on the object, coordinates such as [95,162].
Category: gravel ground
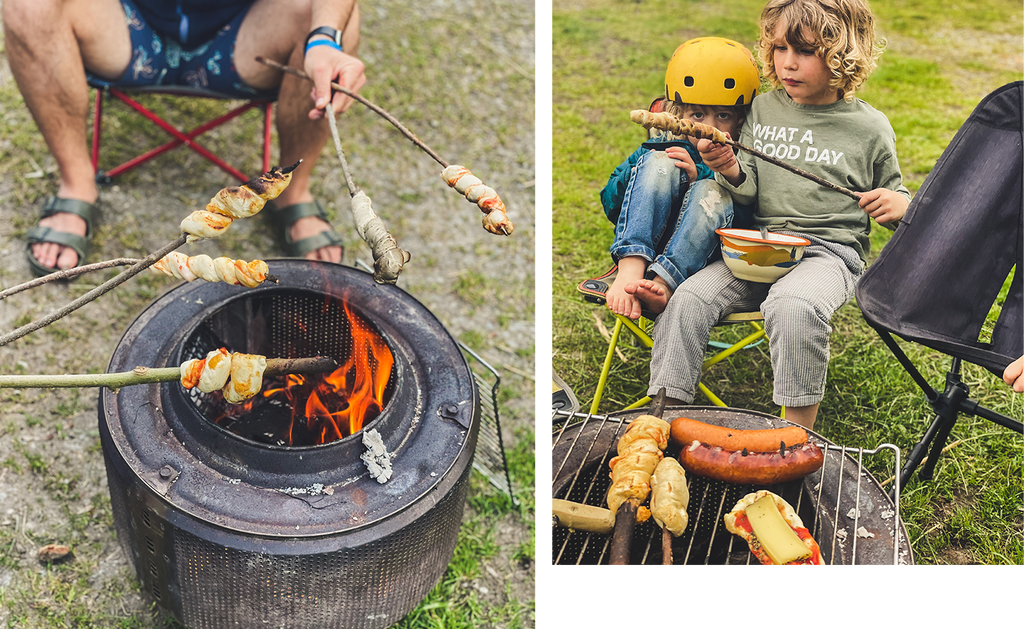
[460,76]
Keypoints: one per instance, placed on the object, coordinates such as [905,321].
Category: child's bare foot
[631,269]
[619,301]
[653,294]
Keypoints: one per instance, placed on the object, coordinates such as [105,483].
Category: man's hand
[884,205]
[326,65]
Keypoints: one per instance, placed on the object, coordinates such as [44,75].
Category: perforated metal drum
[237,530]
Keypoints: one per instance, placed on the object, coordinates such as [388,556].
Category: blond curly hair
[842,32]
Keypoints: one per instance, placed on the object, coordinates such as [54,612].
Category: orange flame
[332,406]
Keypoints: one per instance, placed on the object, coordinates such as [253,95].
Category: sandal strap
[39,234]
[299,248]
[288,215]
[54,204]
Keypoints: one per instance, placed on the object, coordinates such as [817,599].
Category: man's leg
[278,30]
[50,43]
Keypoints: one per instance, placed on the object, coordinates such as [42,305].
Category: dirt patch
[460,76]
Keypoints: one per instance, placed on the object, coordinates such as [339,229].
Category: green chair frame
[639,330]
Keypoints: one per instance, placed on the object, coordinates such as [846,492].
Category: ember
[303,410]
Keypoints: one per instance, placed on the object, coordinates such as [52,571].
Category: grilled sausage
[744,467]
[685,431]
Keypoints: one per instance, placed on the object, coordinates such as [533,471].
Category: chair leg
[102,178]
[267,119]
[606,367]
[947,406]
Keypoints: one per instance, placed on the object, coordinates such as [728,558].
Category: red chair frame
[180,137]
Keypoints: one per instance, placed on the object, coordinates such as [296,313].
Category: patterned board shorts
[159,60]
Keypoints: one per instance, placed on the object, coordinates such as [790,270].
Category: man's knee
[23,16]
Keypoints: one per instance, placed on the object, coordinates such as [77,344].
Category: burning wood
[296,410]
[189,268]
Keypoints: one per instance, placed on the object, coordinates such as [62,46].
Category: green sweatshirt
[848,143]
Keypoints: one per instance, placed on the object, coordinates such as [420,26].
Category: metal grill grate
[842,505]
[490,448]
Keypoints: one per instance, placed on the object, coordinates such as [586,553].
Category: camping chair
[180,137]
[936,280]
[593,291]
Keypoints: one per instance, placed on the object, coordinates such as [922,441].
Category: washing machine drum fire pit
[265,514]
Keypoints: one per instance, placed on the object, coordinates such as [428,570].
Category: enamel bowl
[751,257]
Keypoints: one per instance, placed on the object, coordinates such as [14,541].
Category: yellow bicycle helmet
[712,71]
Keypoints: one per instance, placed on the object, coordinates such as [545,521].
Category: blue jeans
[656,188]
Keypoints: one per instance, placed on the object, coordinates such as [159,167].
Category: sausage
[685,431]
[752,468]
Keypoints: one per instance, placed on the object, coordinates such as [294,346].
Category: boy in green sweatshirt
[818,52]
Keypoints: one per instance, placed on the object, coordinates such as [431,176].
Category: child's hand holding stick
[670,123]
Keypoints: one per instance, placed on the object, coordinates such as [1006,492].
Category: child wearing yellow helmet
[710,80]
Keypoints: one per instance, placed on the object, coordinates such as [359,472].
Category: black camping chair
[938,277]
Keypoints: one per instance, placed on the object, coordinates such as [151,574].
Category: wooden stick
[67,274]
[675,125]
[354,96]
[388,257]
[147,375]
[106,287]
[625,517]
[666,547]
[622,537]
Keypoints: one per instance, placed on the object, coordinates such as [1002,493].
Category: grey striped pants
[797,309]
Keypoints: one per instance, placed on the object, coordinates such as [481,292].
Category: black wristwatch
[326,30]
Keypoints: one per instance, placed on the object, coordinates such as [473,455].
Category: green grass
[609,57]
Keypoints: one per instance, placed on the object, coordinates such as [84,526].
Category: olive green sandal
[39,234]
[286,216]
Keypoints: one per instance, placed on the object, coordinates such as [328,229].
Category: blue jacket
[615,189]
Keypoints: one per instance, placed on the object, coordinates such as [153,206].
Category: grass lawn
[609,57]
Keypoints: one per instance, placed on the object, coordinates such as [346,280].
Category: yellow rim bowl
[756,259]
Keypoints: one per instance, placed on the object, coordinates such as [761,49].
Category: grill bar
[842,504]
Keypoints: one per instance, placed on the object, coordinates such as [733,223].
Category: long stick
[147,375]
[388,257]
[67,274]
[105,287]
[344,90]
[669,122]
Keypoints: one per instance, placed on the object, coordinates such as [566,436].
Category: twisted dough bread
[239,376]
[235,202]
[183,267]
[639,452]
[678,126]
[670,496]
[496,220]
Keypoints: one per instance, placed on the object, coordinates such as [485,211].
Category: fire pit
[264,514]
[842,505]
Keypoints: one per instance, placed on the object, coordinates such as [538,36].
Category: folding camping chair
[180,137]
[936,280]
[593,291]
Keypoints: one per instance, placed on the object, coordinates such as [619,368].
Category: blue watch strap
[322,42]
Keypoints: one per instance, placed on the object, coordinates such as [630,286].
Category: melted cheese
[773,532]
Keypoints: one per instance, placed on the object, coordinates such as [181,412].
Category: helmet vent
[688,81]
[730,83]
